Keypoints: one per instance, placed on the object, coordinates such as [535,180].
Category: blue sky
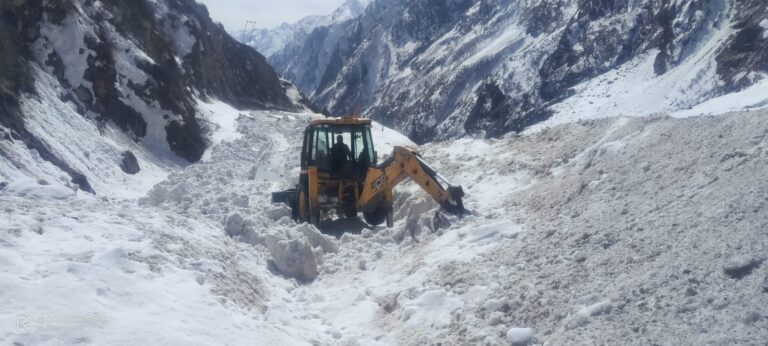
[267,13]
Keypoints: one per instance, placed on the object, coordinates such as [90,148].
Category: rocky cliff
[438,69]
[140,67]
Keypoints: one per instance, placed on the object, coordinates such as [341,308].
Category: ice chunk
[234,224]
[317,239]
[293,257]
[519,336]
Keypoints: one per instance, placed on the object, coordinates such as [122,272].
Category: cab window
[321,143]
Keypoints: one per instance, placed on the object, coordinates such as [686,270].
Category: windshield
[342,148]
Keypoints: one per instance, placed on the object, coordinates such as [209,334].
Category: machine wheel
[312,217]
[376,217]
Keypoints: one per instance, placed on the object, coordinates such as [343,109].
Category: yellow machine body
[354,182]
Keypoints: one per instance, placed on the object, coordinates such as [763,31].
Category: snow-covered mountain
[270,41]
[437,69]
[111,94]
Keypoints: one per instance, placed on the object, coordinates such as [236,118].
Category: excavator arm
[405,163]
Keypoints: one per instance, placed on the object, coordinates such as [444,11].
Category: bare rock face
[129,164]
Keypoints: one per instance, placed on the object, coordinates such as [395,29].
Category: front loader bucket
[289,197]
[286,196]
[455,205]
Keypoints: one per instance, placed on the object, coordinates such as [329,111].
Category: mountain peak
[271,41]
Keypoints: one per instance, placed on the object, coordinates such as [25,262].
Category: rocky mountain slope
[99,83]
[271,41]
[437,69]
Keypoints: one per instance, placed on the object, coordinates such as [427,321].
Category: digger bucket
[287,196]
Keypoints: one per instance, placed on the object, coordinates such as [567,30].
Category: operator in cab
[340,154]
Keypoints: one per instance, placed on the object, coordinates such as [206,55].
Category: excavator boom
[405,163]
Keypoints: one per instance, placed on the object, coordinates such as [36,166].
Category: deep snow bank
[637,231]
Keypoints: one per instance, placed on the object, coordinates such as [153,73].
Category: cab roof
[348,120]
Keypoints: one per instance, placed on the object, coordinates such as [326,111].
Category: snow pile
[626,219]
[292,256]
[519,336]
[87,270]
[38,190]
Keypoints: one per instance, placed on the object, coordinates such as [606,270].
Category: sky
[266,13]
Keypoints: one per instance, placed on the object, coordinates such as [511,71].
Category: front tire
[376,217]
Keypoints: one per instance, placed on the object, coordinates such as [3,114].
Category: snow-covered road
[631,231]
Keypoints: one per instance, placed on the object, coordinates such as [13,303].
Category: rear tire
[376,217]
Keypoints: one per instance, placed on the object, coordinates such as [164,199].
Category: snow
[431,308]
[38,190]
[67,40]
[754,97]
[510,37]
[633,89]
[183,39]
[70,136]
[272,41]
[631,241]
[764,25]
[519,336]
[385,140]
[103,271]
[589,230]
[294,94]
[223,117]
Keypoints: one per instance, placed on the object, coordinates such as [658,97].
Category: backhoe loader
[339,171]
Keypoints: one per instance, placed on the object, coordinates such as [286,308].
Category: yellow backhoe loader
[339,171]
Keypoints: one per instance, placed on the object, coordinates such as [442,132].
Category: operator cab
[339,147]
